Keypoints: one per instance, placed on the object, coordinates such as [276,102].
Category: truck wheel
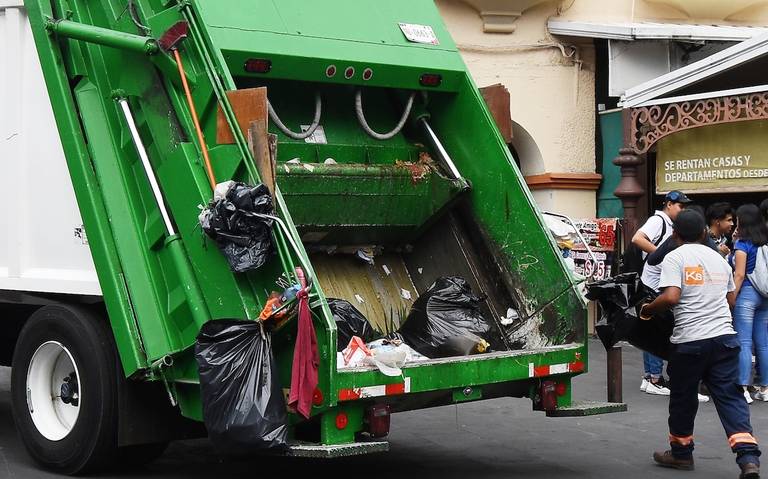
[140,454]
[64,389]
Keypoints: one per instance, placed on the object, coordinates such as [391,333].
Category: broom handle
[198,130]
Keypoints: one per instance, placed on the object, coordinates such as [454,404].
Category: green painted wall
[611,131]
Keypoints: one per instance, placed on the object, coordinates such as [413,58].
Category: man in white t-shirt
[654,232]
[698,285]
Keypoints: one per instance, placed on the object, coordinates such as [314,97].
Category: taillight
[430,79]
[258,65]
[548,394]
[377,420]
[561,389]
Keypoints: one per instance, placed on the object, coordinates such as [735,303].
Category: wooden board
[263,147]
[497,98]
[249,105]
[346,277]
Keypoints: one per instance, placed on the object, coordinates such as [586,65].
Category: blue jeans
[750,319]
[715,361]
[652,365]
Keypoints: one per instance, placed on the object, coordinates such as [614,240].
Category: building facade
[566,65]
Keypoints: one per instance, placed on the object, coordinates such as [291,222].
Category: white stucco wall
[706,12]
[551,87]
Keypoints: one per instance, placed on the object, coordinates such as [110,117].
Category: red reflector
[317,397]
[548,396]
[341,420]
[377,418]
[561,389]
[430,79]
[258,65]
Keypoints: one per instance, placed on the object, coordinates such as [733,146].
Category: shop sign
[730,157]
[600,269]
[600,235]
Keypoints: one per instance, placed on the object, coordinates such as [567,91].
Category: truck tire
[140,454]
[64,389]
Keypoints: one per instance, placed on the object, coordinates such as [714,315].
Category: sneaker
[750,471]
[666,459]
[703,398]
[658,388]
[762,394]
[644,384]
[747,396]
[703,390]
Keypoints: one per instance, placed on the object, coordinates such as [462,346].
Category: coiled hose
[369,130]
[292,134]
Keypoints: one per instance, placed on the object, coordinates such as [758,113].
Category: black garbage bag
[446,320]
[621,298]
[231,220]
[350,322]
[243,404]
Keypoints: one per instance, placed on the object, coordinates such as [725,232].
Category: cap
[689,225]
[677,196]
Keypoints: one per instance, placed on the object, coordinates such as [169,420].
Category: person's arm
[664,248]
[665,301]
[739,269]
[641,241]
[731,297]
[723,249]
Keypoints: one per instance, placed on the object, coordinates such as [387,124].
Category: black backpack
[632,261]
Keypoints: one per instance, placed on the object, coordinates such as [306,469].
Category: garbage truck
[120,121]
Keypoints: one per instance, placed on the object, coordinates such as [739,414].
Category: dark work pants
[716,362]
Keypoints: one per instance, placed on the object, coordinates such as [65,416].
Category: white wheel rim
[50,365]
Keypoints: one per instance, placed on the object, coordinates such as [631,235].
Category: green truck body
[159,289]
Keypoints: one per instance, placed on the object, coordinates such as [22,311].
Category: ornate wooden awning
[648,124]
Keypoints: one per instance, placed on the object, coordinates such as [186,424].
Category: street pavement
[499,438]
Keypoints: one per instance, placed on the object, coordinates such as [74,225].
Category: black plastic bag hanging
[621,298]
[232,220]
[350,322]
[243,404]
[446,321]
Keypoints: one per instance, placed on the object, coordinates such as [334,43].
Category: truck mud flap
[321,451]
[588,408]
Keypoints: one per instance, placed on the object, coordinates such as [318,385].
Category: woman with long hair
[750,314]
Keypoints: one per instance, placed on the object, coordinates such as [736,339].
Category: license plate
[419,33]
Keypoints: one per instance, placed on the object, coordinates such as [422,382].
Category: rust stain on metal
[419,170]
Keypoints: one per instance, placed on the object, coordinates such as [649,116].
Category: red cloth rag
[305,360]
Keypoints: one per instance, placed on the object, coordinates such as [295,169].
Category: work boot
[750,471]
[666,459]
